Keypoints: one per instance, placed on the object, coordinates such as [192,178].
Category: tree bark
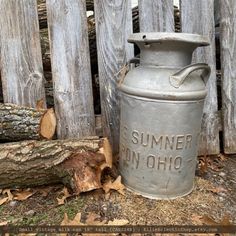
[23,123]
[76,163]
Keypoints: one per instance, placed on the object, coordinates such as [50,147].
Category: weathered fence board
[198,17]
[228,64]
[71,68]
[113,26]
[156,15]
[20,54]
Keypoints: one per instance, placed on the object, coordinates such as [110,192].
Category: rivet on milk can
[161,111]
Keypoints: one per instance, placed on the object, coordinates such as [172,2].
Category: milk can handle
[179,77]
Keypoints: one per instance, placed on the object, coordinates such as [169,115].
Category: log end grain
[83,171]
[48,124]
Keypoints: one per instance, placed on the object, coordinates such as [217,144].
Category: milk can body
[161,109]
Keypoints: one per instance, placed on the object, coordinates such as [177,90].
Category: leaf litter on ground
[23,195]
[92,219]
[19,195]
[116,185]
[66,194]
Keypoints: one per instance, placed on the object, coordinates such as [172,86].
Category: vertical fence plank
[113,26]
[20,53]
[156,15]
[69,46]
[228,64]
[198,17]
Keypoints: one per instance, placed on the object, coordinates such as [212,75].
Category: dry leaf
[219,189]
[222,157]
[65,220]
[21,196]
[107,196]
[61,201]
[208,220]
[225,220]
[9,194]
[118,222]
[106,150]
[3,200]
[122,73]
[215,163]
[196,219]
[116,185]
[75,221]
[45,191]
[26,234]
[40,104]
[92,219]
[203,167]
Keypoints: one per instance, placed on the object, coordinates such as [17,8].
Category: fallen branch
[24,123]
[76,163]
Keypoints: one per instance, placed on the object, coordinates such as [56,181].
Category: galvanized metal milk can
[161,110]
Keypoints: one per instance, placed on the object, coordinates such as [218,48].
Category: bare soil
[213,200]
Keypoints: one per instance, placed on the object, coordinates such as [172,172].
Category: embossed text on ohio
[160,144]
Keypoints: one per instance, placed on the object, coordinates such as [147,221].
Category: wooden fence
[22,71]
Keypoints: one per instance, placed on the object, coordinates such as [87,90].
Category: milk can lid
[155,37]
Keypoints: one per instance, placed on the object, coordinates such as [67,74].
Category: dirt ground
[212,201]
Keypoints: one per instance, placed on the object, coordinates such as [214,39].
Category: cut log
[76,163]
[23,123]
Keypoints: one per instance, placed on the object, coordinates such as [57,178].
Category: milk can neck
[166,54]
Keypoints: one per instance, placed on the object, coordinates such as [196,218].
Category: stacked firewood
[29,156]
